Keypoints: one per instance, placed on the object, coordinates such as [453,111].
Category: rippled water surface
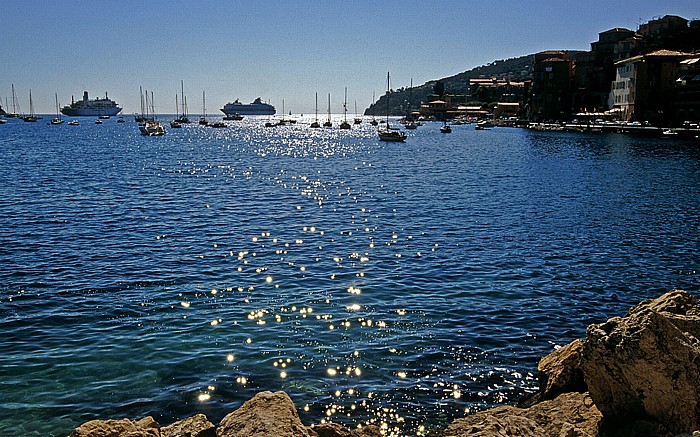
[397,284]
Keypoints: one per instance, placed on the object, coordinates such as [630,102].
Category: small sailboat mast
[315,124]
[328,122]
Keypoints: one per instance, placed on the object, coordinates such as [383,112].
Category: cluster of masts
[150,126]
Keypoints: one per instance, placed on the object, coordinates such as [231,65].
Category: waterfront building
[644,86]
[506,110]
[688,90]
[550,97]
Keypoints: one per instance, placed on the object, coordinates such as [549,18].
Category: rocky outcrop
[266,414]
[646,366]
[559,372]
[570,414]
[146,427]
[195,426]
[634,375]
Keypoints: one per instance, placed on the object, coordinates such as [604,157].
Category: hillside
[515,69]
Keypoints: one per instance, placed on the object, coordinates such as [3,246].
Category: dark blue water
[398,284]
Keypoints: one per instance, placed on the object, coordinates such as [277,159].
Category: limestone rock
[568,415]
[146,427]
[195,426]
[560,372]
[499,422]
[647,364]
[266,414]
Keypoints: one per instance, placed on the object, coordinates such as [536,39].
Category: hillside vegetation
[403,99]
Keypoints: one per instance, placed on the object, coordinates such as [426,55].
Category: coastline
[632,375]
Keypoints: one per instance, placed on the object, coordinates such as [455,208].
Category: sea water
[397,284]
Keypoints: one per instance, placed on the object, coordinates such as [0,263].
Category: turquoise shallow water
[402,284]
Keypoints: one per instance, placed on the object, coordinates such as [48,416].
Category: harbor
[199,268]
[349,220]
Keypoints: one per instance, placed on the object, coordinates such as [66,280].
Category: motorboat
[234,117]
[152,129]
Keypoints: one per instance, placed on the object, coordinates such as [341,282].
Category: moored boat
[234,117]
[217,124]
[182,117]
[328,123]
[203,119]
[392,135]
[31,118]
[150,126]
[57,119]
[345,124]
[315,123]
[15,106]
[389,133]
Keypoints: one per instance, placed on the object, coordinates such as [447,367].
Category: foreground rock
[195,426]
[267,414]
[570,414]
[146,427]
[646,366]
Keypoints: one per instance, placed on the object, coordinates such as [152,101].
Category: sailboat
[57,119]
[345,124]
[150,126]
[282,121]
[203,118]
[390,134]
[176,123]
[182,118]
[15,105]
[328,123]
[357,120]
[316,124]
[31,118]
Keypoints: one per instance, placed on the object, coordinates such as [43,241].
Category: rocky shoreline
[637,375]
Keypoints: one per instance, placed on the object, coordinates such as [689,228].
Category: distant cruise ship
[255,108]
[94,107]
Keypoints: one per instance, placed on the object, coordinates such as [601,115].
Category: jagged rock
[146,427]
[647,364]
[266,414]
[568,415]
[499,422]
[559,372]
[195,426]
[336,430]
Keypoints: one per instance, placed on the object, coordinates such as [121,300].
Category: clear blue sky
[282,49]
